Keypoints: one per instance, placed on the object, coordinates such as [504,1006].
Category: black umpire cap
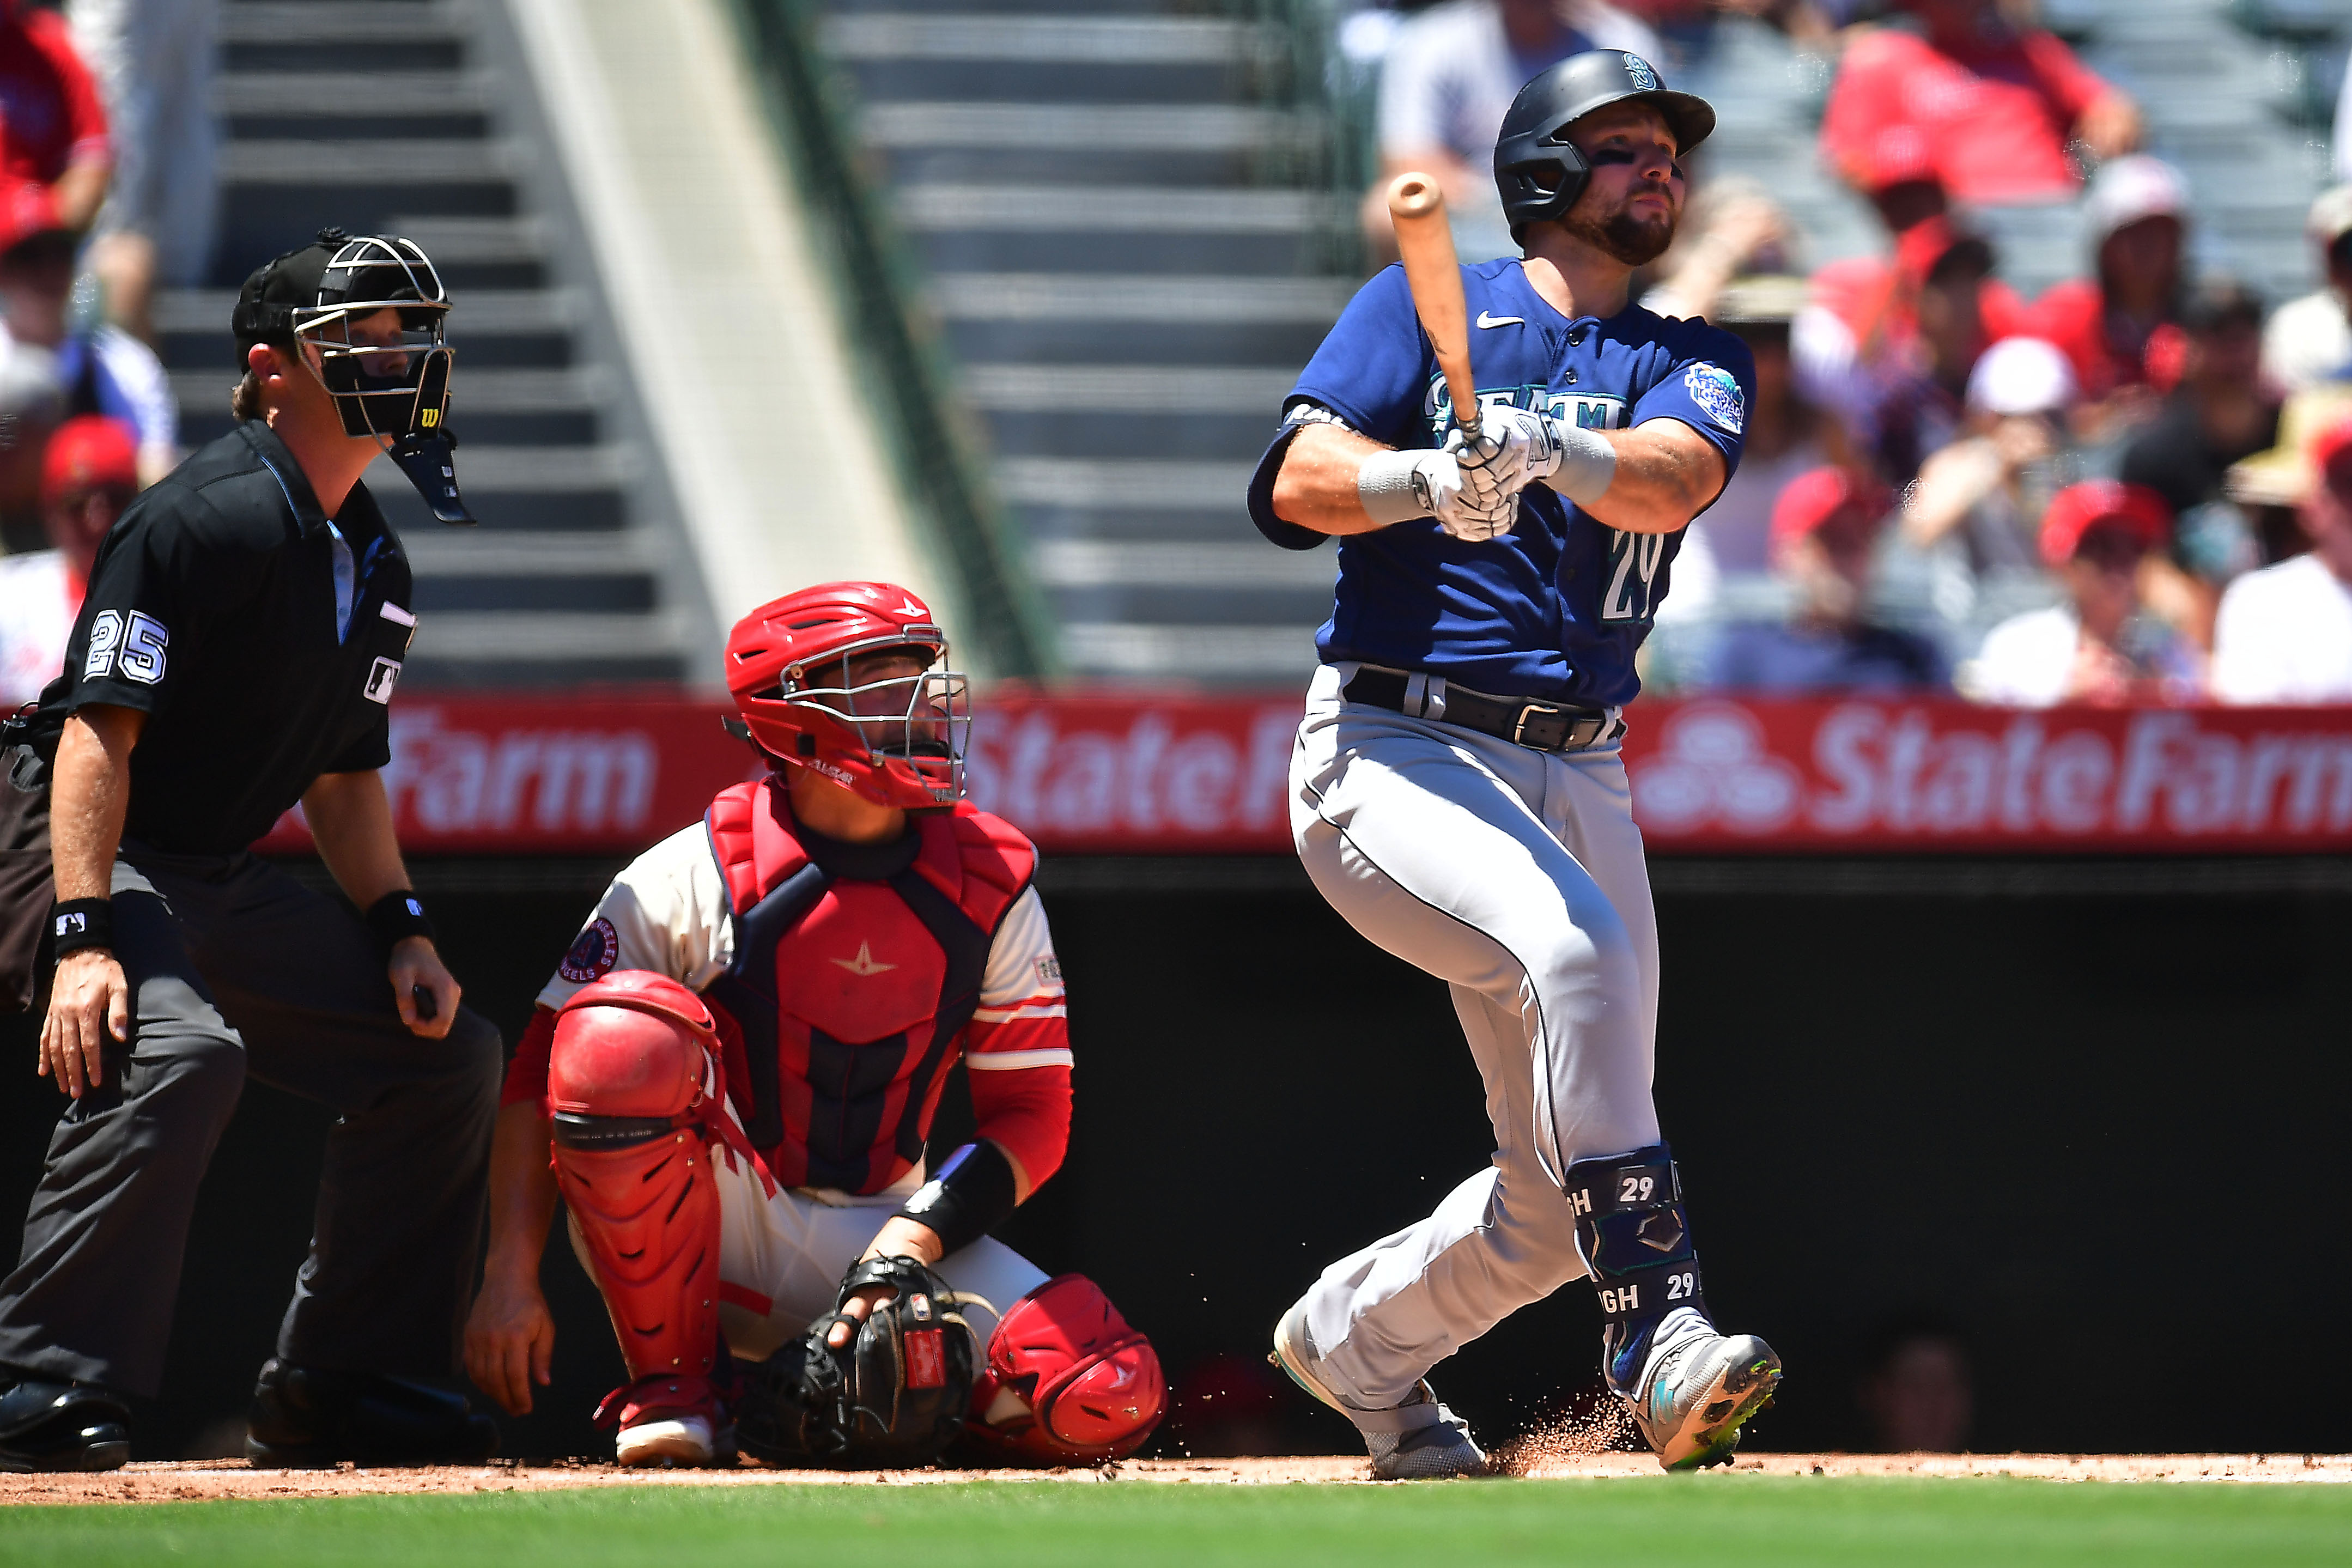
[309,278]
[1540,171]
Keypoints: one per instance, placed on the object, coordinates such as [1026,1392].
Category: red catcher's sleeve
[527,1074]
[1026,1112]
[85,109]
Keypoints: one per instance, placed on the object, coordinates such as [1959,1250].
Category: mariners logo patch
[1644,78]
[1716,393]
[592,954]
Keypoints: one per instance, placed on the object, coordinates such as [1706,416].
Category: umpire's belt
[1523,721]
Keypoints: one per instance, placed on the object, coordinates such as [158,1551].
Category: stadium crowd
[2135,487]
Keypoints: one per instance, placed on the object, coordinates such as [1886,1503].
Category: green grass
[1724,1521]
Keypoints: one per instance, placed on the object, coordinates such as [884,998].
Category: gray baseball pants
[236,968]
[1516,876]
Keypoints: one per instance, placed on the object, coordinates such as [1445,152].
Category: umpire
[237,652]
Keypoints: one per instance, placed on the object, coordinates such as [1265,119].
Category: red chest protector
[856,968]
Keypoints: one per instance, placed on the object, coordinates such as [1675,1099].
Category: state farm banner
[1160,774]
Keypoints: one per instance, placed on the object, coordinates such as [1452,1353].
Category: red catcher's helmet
[896,742]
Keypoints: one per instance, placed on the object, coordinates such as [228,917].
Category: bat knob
[1414,195]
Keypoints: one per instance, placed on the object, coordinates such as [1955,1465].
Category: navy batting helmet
[1540,172]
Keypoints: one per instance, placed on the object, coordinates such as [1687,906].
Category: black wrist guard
[971,1195]
[77,923]
[394,917]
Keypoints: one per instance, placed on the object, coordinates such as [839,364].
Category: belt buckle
[1537,708]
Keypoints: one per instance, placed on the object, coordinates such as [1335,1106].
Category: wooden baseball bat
[1425,243]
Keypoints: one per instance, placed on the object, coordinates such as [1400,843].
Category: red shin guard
[628,1079]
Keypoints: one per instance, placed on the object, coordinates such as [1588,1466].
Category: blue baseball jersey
[1557,607]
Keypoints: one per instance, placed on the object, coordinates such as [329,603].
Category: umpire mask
[370,309]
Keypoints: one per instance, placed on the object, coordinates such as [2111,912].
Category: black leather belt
[1523,721]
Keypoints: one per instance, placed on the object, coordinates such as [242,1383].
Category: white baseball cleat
[667,1440]
[1419,1440]
[1698,1388]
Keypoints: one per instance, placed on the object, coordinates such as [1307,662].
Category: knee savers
[1093,1384]
[1635,1239]
[630,1075]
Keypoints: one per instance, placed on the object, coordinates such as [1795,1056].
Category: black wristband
[77,923]
[971,1195]
[394,917]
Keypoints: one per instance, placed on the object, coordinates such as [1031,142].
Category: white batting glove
[1395,487]
[1513,448]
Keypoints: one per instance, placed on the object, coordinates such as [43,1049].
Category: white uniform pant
[1517,876]
[781,1260]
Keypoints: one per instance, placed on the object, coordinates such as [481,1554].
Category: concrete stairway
[1125,253]
[412,117]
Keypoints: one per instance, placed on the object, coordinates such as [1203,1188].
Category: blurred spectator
[2120,327]
[2285,633]
[52,129]
[1786,436]
[1732,228]
[1824,530]
[1449,79]
[154,61]
[2267,488]
[2309,339]
[1997,103]
[90,473]
[2219,413]
[2097,646]
[1987,489]
[1918,1393]
[1888,348]
[102,368]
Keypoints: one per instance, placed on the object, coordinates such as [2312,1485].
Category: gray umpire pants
[237,970]
[1516,876]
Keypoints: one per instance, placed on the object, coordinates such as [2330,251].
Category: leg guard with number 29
[1631,1229]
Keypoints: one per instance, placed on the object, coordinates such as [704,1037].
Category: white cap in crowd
[2331,215]
[2021,375]
[2130,189]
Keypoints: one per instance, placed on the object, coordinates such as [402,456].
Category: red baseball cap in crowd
[1926,244]
[1899,155]
[89,452]
[1814,497]
[27,210]
[2076,509]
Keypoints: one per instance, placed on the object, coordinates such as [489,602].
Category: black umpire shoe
[47,1426]
[305,1418]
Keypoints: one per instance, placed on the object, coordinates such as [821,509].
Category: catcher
[737,1066]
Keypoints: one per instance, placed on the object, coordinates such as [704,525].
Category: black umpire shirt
[261,639]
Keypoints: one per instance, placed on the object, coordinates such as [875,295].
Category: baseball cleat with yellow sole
[1699,1390]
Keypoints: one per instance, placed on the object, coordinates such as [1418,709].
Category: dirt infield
[232,1478]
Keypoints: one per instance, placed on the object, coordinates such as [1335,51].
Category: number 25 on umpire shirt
[1556,607]
[261,639]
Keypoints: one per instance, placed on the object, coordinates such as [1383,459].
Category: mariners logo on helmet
[1716,392]
[1638,71]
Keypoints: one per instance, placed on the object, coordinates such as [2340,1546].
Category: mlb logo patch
[927,1361]
[382,679]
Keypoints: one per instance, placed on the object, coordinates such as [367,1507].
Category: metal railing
[903,367]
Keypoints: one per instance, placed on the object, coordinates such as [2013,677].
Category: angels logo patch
[1716,393]
[592,954]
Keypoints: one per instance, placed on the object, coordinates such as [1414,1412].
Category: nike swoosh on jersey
[1487,320]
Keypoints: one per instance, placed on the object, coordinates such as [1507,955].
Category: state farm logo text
[1137,772]
[1860,769]
[545,782]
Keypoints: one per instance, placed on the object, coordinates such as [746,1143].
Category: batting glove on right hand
[1460,507]
[1513,448]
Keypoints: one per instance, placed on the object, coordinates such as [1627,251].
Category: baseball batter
[1458,791]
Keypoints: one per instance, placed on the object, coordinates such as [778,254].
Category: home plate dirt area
[176,1482]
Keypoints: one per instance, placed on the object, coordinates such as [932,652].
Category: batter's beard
[1622,236]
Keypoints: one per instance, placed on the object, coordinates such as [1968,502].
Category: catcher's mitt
[894,1397]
